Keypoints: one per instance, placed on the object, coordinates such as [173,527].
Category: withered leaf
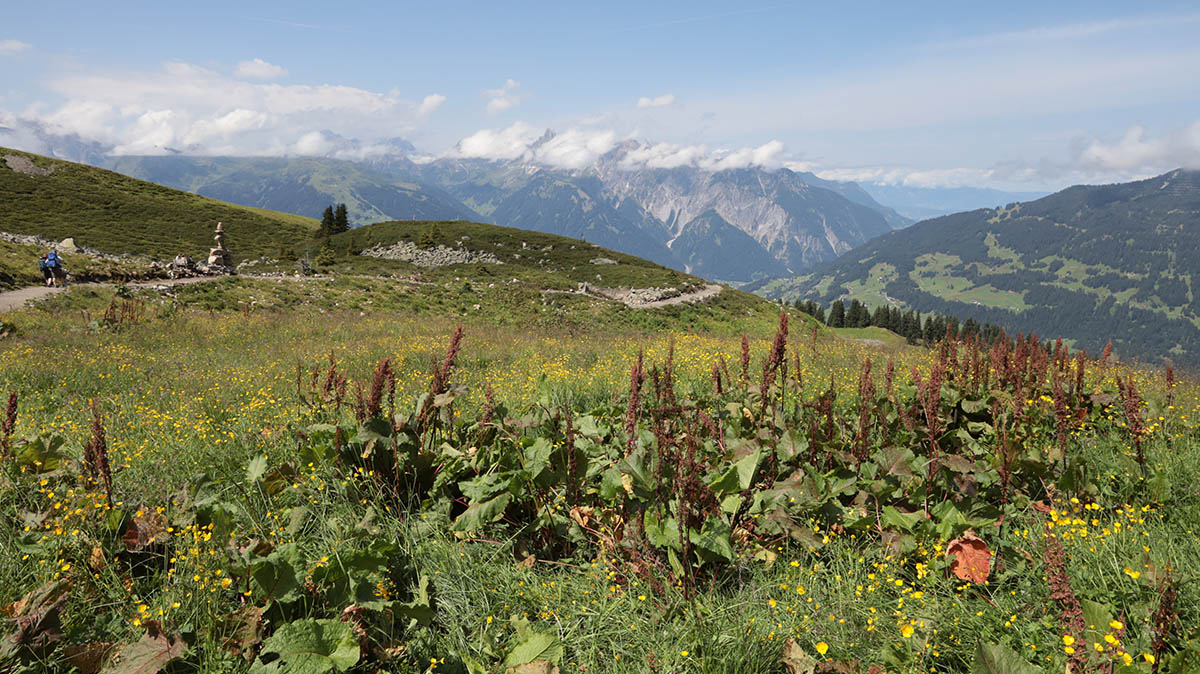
[89,658]
[145,530]
[795,660]
[970,558]
[148,655]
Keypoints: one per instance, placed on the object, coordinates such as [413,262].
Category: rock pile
[439,256]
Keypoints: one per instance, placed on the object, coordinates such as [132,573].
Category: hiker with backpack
[53,269]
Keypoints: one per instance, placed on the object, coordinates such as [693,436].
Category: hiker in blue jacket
[58,275]
[47,275]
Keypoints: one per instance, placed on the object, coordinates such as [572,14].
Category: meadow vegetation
[241,486]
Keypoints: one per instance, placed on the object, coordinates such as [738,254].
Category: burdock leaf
[310,647]
[479,514]
[534,646]
[998,659]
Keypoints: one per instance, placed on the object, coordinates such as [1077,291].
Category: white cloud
[575,148]
[259,69]
[13,46]
[503,98]
[1136,151]
[187,107]
[313,143]
[508,143]
[578,148]
[657,102]
[766,155]
[430,103]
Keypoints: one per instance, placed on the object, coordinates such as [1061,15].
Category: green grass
[885,338]
[118,214]
[566,261]
[187,393]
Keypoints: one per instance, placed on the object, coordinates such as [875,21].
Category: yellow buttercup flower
[822,647]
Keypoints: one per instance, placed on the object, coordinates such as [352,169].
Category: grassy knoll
[277,490]
[559,261]
[118,214]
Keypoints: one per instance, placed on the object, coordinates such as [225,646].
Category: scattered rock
[438,256]
[648,298]
[67,245]
[602,260]
[22,164]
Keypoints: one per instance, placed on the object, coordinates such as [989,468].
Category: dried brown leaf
[970,558]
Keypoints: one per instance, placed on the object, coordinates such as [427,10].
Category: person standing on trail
[58,275]
[47,275]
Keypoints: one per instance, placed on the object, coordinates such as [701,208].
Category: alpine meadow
[858,342]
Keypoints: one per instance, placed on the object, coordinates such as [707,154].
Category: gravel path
[711,290]
[15,299]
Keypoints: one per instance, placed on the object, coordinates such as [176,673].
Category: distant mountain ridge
[790,220]
[1089,263]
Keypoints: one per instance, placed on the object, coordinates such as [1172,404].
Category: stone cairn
[220,256]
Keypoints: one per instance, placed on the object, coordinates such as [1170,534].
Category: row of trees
[908,324]
[333,221]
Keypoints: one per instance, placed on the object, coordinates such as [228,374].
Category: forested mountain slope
[1090,263]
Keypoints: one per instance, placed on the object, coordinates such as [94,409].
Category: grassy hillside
[1089,263]
[557,259]
[115,213]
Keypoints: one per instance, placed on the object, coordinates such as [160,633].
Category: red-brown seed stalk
[8,426]
[636,378]
[95,453]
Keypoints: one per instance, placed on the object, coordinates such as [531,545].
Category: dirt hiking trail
[12,300]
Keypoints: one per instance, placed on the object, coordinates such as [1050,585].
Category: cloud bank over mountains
[251,108]
[182,107]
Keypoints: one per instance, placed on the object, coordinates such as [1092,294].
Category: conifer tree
[341,223]
[326,228]
[837,314]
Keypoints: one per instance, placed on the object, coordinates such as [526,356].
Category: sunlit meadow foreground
[343,493]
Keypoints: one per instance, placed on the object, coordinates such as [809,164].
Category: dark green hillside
[1090,263]
[115,213]
[520,250]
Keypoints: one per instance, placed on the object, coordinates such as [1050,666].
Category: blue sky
[1017,95]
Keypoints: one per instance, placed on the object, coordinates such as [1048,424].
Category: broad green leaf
[610,485]
[713,541]
[890,517]
[420,610]
[479,514]
[662,533]
[587,426]
[310,647]
[280,574]
[256,468]
[998,659]
[532,645]
[537,457]
[738,476]
[1096,618]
